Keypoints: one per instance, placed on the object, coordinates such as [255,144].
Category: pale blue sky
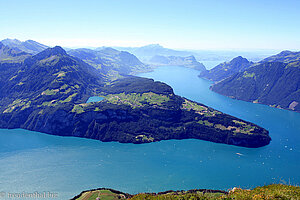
[185,24]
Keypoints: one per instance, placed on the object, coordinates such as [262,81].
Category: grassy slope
[275,191]
[103,194]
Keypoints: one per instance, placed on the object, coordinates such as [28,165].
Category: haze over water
[31,161]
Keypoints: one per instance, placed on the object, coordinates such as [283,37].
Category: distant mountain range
[189,62]
[28,46]
[274,81]
[11,55]
[145,53]
[108,61]
[111,61]
[226,69]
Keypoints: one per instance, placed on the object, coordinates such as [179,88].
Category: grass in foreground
[100,195]
[275,191]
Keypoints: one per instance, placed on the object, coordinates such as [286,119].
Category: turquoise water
[31,161]
[94,99]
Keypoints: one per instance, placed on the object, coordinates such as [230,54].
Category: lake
[94,99]
[31,161]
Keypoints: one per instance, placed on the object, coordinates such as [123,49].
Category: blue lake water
[31,161]
[94,99]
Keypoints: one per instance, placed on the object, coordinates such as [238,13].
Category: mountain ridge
[111,61]
[28,46]
[8,54]
[274,81]
[226,69]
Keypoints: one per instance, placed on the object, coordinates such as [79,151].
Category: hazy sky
[185,24]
